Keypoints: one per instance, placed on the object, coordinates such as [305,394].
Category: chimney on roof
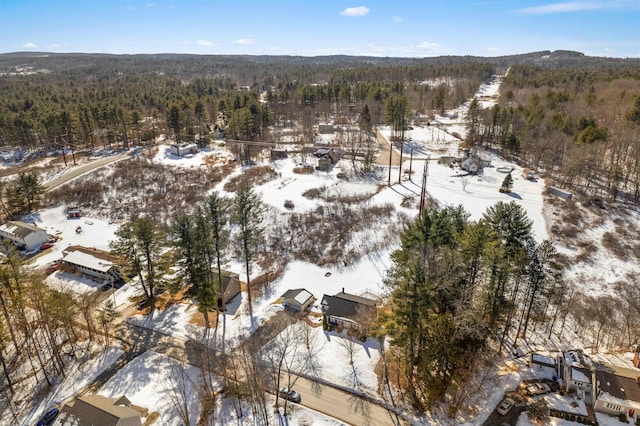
[343,289]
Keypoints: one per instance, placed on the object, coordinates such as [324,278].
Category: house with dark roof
[231,286]
[23,235]
[98,410]
[297,300]
[616,394]
[348,311]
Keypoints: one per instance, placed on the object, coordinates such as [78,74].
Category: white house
[92,262]
[472,162]
[184,149]
[576,370]
[23,235]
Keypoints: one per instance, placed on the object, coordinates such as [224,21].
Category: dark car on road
[49,417]
[290,395]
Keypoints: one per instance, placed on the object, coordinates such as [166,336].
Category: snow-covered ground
[446,185]
[78,374]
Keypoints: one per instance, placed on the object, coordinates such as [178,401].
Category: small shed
[325,128]
[73,212]
[297,300]
[559,193]
[278,154]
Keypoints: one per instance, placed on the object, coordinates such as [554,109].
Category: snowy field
[449,186]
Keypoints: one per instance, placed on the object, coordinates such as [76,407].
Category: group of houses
[610,389]
[342,311]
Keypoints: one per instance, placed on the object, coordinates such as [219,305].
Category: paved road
[80,170]
[323,398]
[342,405]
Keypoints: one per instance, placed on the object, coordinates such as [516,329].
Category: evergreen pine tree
[507,183]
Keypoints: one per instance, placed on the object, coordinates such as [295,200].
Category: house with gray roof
[297,300]
[348,311]
[23,235]
[98,410]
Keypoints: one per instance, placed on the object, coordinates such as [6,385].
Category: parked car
[46,246]
[505,406]
[49,417]
[52,269]
[290,395]
[538,389]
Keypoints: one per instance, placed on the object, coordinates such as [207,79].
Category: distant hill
[187,65]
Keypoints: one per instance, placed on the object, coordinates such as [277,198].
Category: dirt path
[382,158]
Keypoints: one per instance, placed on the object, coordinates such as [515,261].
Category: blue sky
[400,28]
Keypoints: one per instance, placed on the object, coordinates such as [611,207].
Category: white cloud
[204,43]
[355,11]
[397,19]
[567,7]
[29,45]
[244,41]
[150,4]
[274,48]
[432,47]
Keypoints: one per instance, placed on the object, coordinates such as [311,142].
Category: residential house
[472,162]
[92,262]
[184,149]
[575,369]
[297,299]
[616,394]
[327,157]
[23,235]
[348,311]
[231,286]
[98,410]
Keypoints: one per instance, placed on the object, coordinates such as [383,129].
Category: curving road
[80,170]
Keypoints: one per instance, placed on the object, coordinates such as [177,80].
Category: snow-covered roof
[618,390]
[577,358]
[19,229]
[542,359]
[579,375]
[84,259]
[302,297]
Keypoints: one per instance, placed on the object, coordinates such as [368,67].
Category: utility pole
[390,152]
[400,167]
[410,162]
[423,190]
